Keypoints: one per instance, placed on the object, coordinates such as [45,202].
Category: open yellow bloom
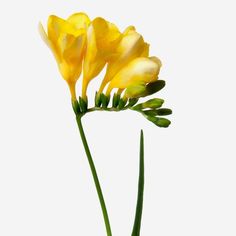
[67,40]
[102,40]
[138,72]
[130,47]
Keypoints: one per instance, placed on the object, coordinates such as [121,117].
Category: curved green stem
[95,176]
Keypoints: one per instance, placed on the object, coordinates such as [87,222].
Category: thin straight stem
[95,176]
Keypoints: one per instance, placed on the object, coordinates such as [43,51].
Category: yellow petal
[140,70]
[107,35]
[145,51]
[67,39]
[72,90]
[57,26]
[129,29]
[93,62]
[156,60]
[68,42]
[102,37]
[79,20]
[43,34]
[130,47]
[92,49]
[48,42]
[70,72]
[102,40]
[73,51]
[71,64]
[57,29]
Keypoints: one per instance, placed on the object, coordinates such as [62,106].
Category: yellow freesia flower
[102,40]
[67,40]
[131,46]
[138,72]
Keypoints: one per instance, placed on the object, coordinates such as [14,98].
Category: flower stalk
[95,176]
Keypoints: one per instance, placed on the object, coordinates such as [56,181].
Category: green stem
[95,176]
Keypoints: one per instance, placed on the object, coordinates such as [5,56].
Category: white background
[45,184]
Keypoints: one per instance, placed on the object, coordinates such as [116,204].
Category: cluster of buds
[81,45]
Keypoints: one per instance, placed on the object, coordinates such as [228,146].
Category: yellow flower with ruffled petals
[67,40]
[131,46]
[102,40]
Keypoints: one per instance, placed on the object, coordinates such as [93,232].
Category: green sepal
[98,101]
[83,104]
[76,106]
[153,103]
[161,122]
[132,102]
[105,100]
[115,100]
[122,103]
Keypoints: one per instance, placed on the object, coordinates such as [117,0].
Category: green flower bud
[159,112]
[153,103]
[150,112]
[163,112]
[154,87]
[161,122]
